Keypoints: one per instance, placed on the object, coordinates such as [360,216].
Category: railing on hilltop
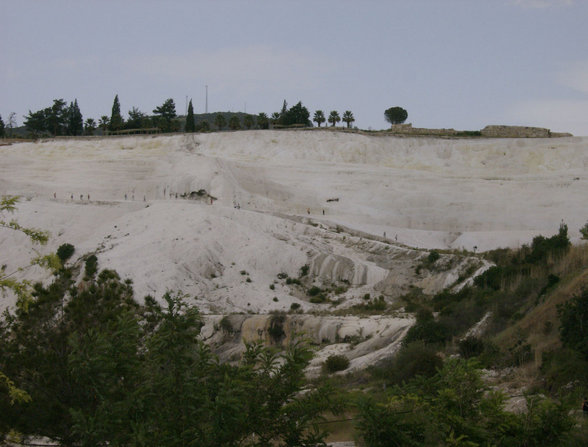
[149,130]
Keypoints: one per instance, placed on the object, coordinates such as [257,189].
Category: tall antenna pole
[206,106]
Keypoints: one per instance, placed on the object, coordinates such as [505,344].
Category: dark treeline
[58,119]
[61,119]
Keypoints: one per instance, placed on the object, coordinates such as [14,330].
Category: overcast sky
[450,63]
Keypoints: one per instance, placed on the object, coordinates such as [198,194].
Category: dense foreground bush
[98,369]
[102,370]
[455,407]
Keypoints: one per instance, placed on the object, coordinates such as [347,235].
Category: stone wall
[515,132]
[407,129]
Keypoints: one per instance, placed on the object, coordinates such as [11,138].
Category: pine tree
[36,122]
[75,121]
[137,119]
[165,115]
[116,121]
[297,114]
[190,125]
[56,117]
[395,115]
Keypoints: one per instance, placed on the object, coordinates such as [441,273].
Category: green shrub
[430,332]
[276,328]
[272,287]
[293,281]
[428,263]
[318,299]
[225,325]
[423,315]
[282,275]
[468,133]
[491,278]
[336,363]
[573,315]
[295,306]
[377,305]
[552,280]
[416,358]
[491,356]
[584,231]
[519,354]
[563,367]
[91,266]
[304,270]
[455,407]
[512,266]
[317,295]
[64,252]
[433,256]
[314,291]
[542,247]
[471,347]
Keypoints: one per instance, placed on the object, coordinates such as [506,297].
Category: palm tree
[334,118]
[275,118]
[248,121]
[348,118]
[263,121]
[319,117]
[89,126]
[104,123]
[234,123]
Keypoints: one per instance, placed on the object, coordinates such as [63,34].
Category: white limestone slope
[422,192]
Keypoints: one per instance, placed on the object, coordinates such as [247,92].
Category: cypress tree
[190,125]
[282,116]
[75,122]
[116,120]
[1,128]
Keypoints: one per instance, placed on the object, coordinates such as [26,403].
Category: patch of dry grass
[541,324]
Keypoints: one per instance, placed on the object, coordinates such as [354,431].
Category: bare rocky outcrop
[363,340]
